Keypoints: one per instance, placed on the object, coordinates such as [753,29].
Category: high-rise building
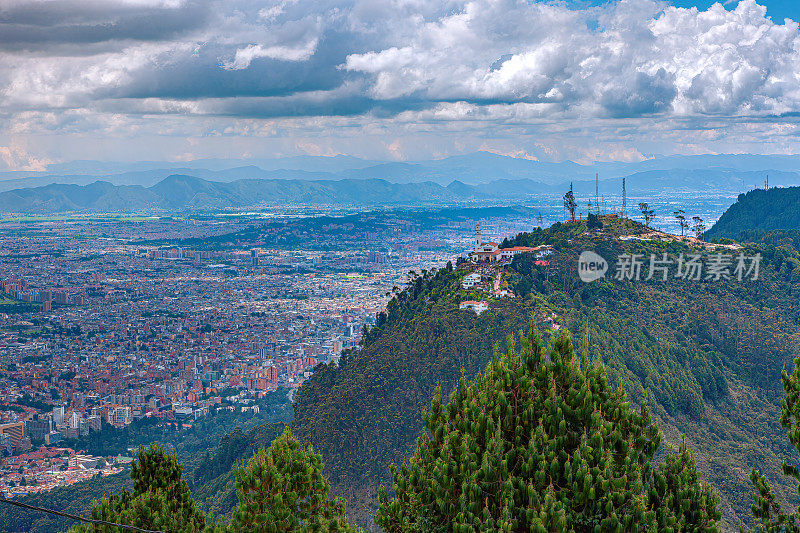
[37,429]
[15,432]
[58,415]
[94,422]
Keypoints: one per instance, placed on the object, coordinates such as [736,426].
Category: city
[97,332]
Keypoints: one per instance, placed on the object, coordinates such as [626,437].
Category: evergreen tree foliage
[766,509]
[680,500]
[283,489]
[160,500]
[760,210]
[542,442]
[593,221]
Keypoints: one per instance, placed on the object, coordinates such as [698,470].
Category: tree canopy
[766,509]
[542,442]
[283,489]
[160,499]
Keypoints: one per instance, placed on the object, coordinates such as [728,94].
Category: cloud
[81,27]
[623,59]
[642,58]
[244,56]
[17,158]
[480,67]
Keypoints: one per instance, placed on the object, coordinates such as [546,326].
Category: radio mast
[596,193]
[623,198]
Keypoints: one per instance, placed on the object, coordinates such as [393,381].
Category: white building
[478,307]
[488,251]
[482,251]
[471,280]
[507,254]
[58,414]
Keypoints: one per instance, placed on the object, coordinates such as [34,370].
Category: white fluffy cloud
[244,56]
[625,59]
[396,65]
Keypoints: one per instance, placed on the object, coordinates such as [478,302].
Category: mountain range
[478,178]
[475,168]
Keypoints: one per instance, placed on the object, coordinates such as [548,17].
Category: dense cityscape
[97,332]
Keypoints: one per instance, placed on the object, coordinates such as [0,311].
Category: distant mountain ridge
[181,193]
[353,182]
[473,169]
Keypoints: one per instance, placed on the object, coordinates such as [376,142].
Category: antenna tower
[596,189]
[624,214]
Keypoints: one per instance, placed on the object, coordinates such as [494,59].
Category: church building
[488,251]
[483,251]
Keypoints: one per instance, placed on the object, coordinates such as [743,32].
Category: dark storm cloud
[643,94]
[47,26]
[200,74]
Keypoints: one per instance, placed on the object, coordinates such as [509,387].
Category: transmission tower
[624,198]
[596,193]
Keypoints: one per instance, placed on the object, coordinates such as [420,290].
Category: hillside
[735,172]
[707,354]
[759,210]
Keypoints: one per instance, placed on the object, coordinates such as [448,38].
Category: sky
[579,80]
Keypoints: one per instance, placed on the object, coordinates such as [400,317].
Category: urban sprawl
[105,322]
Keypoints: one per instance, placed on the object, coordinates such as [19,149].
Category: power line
[77,517]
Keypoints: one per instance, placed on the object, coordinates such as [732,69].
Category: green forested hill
[773,209]
[365,413]
[708,354]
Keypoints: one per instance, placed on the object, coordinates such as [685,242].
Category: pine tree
[766,509]
[541,442]
[283,489]
[678,497]
[160,500]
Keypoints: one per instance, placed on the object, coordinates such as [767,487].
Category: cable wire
[77,517]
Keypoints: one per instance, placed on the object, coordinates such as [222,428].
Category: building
[52,438]
[471,280]
[182,411]
[94,422]
[478,307]
[488,251]
[37,429]
[74,420]
[507,254]
[85,461]
[5,444]
[15,432]
[58,415]
[120,416]
[482,251]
